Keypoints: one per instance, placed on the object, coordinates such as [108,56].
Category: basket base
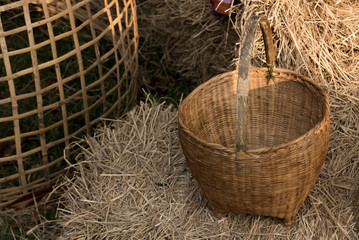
[216,212]
[219,215]
[289,221]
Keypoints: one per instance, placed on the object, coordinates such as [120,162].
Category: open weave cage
[64,65]
[286,130]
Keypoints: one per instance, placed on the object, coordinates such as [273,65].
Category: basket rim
[232,150]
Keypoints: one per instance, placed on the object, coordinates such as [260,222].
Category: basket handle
[243,74]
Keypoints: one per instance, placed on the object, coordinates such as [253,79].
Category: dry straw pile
[189,42]
[134,182]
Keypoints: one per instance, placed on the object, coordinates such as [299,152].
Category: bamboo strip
[40,111]
[15,110]
[98,56]
[81,67]
[58,76]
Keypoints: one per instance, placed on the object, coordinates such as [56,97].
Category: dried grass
[190,42]
[133,183]
[316,38]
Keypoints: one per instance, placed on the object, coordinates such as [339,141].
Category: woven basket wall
[287,136]
[64,65]
[255,139]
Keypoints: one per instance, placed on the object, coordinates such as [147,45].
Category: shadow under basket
[287,136]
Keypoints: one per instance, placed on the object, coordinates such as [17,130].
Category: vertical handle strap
[243,75]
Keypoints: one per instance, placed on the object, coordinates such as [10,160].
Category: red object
[220,7]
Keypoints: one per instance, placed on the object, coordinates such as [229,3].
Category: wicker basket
[262,155]
[64,65]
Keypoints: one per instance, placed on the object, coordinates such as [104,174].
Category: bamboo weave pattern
[77,64]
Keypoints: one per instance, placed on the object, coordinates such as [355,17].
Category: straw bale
[133,183]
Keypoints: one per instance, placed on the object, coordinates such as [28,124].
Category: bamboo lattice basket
[256,145]
[64,65]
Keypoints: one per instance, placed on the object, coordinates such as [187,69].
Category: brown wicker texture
[287,139]
[64,65]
